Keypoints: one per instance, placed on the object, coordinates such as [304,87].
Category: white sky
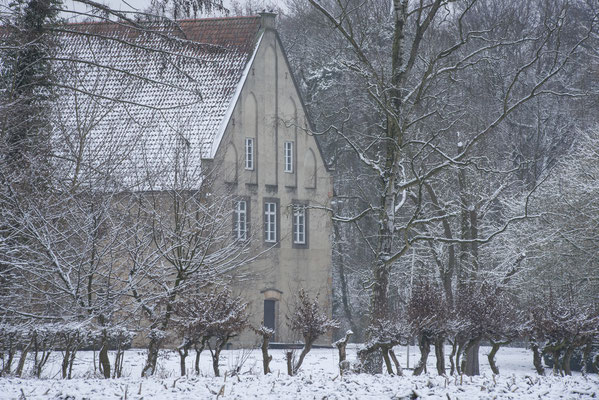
[121,5]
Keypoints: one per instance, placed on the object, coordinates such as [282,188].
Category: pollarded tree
[307,319]
[384,335]
[428,314]
[560,325]
[209,317]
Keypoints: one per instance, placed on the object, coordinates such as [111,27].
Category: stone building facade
[220,90]
[278,173]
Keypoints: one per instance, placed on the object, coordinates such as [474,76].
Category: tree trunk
[71,362]
[342,345]
[104,360]
[491,356]
[458,356]
[198,352]
[118,361]
[424,345]
[379,309]
[289,359]
[587,365]
[396,362]
[24,353]
[440,354]
[152,359]
[65,362]
[471,364]
[7,365]
[42,361]
[385,353]
[537,359]
[446,274]
[183,352]
[454,346]
[305,350]
[557,364]
[343,280]
[266,358]
[566,360]
[216,356]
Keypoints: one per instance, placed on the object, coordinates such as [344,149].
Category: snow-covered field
[318,379]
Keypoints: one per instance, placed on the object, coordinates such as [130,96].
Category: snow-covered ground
[318,379]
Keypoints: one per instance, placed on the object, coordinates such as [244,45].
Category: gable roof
[142,98]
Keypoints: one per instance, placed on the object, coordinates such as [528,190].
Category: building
[228,94]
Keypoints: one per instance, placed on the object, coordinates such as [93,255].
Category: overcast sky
[122,5]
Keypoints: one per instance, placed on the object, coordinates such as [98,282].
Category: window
[269,315]
[249,153]
[270,222]
[240,220]
[288,156]
[299,224]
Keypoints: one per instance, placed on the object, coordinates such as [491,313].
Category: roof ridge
[216,18]
[177,20]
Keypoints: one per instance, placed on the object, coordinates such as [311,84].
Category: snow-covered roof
[136,101]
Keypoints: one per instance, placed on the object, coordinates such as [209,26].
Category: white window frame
[288,152]
[270,222]
[249,154]
[299,224]
[240,221]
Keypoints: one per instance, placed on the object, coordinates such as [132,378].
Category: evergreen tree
[26,91]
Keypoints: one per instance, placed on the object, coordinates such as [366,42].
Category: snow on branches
[558,327]
[209,318]
[311,322]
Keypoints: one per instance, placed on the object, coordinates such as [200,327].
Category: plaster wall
[270,111]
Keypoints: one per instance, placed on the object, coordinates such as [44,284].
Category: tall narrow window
[299,224]
[288,156]
[240,220]
[269,315]
[249,153]
[270,222]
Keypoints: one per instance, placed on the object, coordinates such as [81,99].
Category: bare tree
[265,334]
[411,82]
[311,322]
[210,318]
[558,328]
[428,313]
[183,237]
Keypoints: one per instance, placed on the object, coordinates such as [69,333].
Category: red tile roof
[151,90]
[237,33]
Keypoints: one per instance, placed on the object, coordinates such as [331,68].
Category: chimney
[268,20]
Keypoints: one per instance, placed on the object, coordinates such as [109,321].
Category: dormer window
[289,157]
[249,153]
